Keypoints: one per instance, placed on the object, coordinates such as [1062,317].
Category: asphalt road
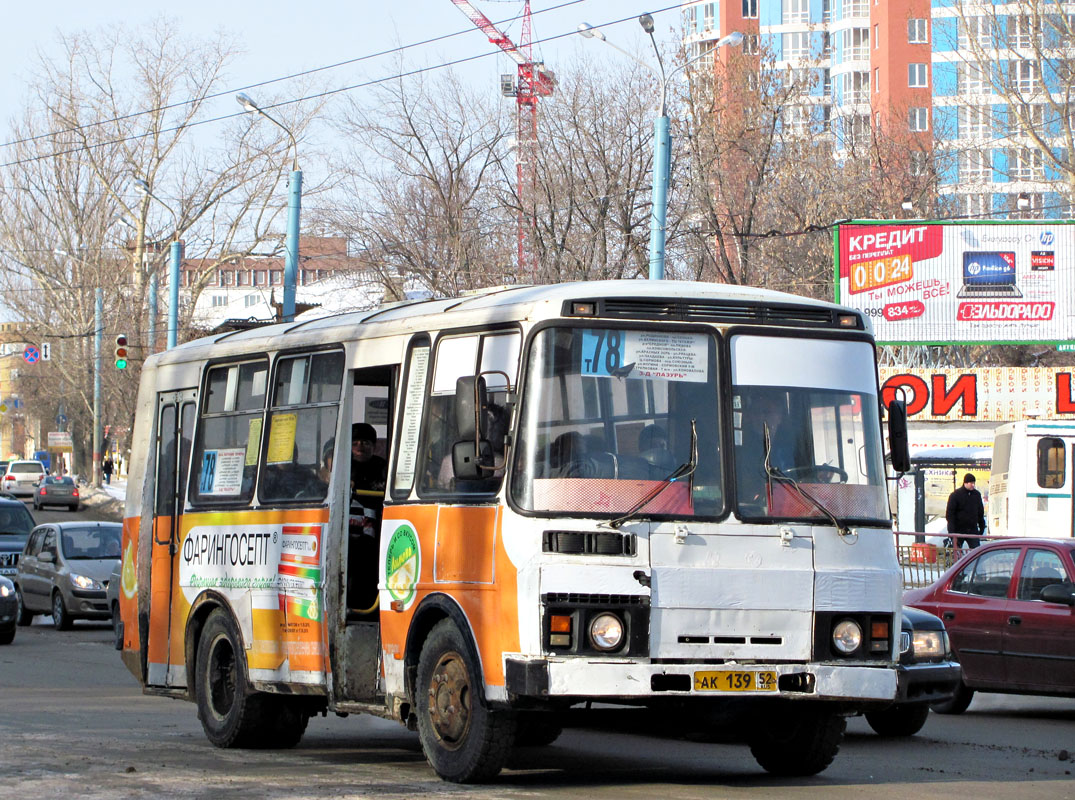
[73,723]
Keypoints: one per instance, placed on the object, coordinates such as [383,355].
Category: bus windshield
[816,401]
[606,420]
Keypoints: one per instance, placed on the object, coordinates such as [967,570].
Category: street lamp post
[662,142]
[294,206]
[175,259]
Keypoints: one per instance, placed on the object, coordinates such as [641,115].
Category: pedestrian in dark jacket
[966,512]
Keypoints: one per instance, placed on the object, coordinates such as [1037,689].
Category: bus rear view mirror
[897,436]
[470,397]
[467,461]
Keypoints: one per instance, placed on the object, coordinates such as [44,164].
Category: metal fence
[922,564]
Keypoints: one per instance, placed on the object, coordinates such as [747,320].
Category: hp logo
[1046,238]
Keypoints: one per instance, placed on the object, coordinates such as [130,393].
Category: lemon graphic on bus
[129,578]
[403,565]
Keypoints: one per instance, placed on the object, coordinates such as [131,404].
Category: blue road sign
[31,354]
[61,419]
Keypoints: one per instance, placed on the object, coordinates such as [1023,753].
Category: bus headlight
[606,632]
[847,636]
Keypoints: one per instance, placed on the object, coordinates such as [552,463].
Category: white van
[1030,485]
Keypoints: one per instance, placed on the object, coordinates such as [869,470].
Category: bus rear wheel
[231,713]
[798,743]
[463,739]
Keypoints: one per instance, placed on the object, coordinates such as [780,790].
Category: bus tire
[231,714]
[463,739]
[537,729]
[798,743]
[959,702]
[904,719]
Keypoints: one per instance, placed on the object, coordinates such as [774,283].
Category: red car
[1009,608]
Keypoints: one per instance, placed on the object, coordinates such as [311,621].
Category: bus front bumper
[629,679]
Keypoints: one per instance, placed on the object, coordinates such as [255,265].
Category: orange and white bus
[658,494]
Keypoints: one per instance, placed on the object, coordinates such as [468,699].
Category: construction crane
[532,82]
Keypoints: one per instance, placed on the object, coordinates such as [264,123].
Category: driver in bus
[766,410]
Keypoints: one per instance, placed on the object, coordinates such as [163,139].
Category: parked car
[15,526]
[926,674]
[55,491]
[22,477]
[1008,608]
[9,609]
[64,571]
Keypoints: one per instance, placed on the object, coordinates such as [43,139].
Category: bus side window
[1051,462]
[302,421]
[494,356]
[229,433]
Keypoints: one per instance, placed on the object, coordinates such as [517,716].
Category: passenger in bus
[653,448]
[368,478]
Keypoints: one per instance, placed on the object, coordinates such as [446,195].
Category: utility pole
[98,324]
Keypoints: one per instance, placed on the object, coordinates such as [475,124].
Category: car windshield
[816,401]
[15,520]
[102,541]
[607,418]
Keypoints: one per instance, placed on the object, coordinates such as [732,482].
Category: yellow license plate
[734,681]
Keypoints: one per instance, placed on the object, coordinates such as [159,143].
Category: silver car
[65,569]
[22,478]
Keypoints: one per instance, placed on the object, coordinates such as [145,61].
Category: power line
[306,98]
[292,76]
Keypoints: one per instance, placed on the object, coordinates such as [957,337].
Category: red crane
[533,81]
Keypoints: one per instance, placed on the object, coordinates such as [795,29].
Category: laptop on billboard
[989,274]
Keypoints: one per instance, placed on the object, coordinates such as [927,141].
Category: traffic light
[121,351]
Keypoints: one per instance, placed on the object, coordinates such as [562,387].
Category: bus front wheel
[798,743]
[463,739]
[231,713]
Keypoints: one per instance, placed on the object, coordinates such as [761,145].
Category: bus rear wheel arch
[464,739]
[232,713]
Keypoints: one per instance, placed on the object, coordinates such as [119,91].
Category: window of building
[228,441]
[1051,462]
[876,37]
[219,300]
[918,31]
[918,76]
[856,43]
[973,79]
[1024,31]
[276,276]
[919,119]
[796,45]
[975,167]
[877,79]
[251,300]
[826,82]
[856,8]
[975,32]
[1024,76]
[976,204]
[708,16]
[1035,206]
[919,162]
[254,277]
[974,122]
[796,119]
[750,9]
[826,11]
[1026,164]
[690,19]
[794,11]
[224,277]
[856,87]
[751,44]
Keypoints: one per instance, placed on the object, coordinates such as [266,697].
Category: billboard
[960,282]
[988,394]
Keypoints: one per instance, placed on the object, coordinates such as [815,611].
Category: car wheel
[232,715]
[463,739]
[23,616]
[905,719]
[7,636]
[798,743]
[61,618]
[959,702]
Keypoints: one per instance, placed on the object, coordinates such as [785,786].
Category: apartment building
[940,78]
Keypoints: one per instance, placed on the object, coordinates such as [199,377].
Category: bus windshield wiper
[775,473]
[683,472]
